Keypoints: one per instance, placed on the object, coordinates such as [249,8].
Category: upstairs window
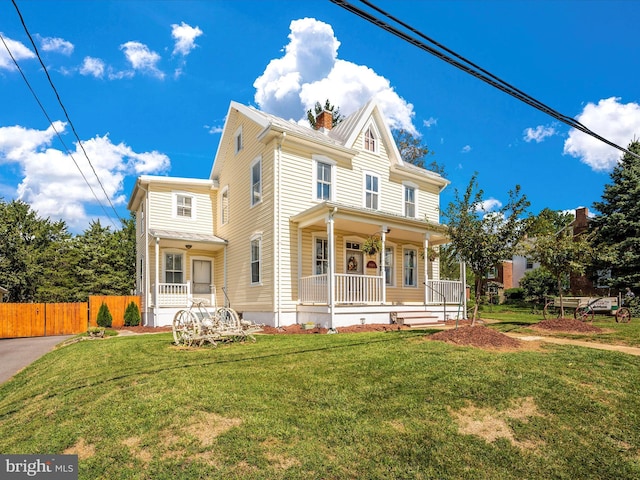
[371,191]
[224,206]
[184,206]
[409,201]
[370,140]
[173,271]
[256,181]
[323,181]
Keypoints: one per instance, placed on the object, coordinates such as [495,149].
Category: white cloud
[539,133]
[52,183]
[214,129]
[18,50]
[142,58]
[430,122]
[93,66]
[615,121]
[55,44]
[310,72]
[185,38]
[466,149]
[489,204]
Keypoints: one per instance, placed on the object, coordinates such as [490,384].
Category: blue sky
[147,86]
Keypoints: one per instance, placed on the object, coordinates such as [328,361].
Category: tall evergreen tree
[28,246]
[616,229]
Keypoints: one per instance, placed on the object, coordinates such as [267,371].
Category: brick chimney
[324,120]
[581,222]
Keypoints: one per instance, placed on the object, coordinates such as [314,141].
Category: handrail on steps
[444,300]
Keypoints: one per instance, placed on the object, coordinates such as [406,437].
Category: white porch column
[332,267]
[426,267]
[157,277]
[300,260]
[383,239]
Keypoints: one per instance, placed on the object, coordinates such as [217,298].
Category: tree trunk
[560,293]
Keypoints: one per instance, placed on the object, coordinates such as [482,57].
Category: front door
[202,276]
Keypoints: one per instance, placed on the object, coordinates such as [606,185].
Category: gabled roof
[341,138]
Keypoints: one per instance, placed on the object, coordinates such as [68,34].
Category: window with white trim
[370,140]
[321,253]
[371,191]
[173,268]
[388,266]
[224,206]
[410,267]
[409,201]
[238,141]
[256,181]
[184,205]
[256,259]
[324,177]
[141,219]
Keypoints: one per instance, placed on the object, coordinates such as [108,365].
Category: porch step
[415,318]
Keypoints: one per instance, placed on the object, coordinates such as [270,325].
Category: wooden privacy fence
[48,319]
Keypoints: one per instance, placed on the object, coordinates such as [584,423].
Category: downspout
[383,240]
[278,230]
[145,257]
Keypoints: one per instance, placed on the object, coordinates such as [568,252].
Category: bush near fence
[48,319]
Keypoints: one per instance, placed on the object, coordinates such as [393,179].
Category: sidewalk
[579,343]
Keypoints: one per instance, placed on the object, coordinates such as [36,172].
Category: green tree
[483,241]
[538,284]
[561,254]
[616,230]
[548,221]
[104,319]
[413,151]
[337,117]
[28,246]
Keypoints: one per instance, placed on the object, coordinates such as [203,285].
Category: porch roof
[368,222]
[187,237]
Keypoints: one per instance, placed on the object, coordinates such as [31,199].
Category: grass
[518,319]
[348,406]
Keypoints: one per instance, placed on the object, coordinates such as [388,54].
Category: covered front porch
[187,267]
[342,280]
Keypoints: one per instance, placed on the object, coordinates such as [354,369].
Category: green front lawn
[348,406]
[516,319]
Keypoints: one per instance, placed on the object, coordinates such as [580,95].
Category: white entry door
[202,276]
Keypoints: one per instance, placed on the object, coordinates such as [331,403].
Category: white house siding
[246,221]
[161,211]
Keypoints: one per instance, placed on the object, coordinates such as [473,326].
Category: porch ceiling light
[188,247]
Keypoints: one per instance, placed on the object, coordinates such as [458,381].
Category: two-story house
[277,230]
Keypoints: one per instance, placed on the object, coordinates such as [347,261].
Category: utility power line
[44,111]
[66,114]
[466,66]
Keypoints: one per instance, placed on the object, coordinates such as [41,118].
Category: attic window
[370,140]
[238,140]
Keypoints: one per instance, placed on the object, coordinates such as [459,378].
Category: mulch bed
[567,325]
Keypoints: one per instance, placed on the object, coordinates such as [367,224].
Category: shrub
[104,317]
[132,315]
[514,294]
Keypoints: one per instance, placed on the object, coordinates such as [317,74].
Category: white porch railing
[364,289]
[173,294]
[313,289]
[358,288]
[444,291]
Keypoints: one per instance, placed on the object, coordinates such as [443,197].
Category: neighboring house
[3,292]
[499,279]
[277,230]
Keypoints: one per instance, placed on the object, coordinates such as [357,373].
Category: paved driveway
[17,353]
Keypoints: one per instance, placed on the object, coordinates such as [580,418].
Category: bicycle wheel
[584,314]
[623,315]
